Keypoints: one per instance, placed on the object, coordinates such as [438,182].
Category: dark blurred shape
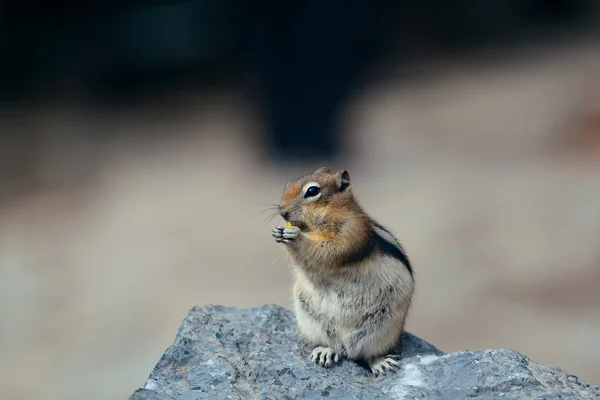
[301,59]
[307,57]
[112,50]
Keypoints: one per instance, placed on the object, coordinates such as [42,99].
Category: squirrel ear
[343,178]
[323,170]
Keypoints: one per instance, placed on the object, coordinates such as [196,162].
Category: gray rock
[229,353]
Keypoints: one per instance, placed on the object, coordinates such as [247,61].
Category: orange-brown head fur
[334,206]
[339,232]
[336,230]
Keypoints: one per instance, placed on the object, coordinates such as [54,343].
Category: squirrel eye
[312,191]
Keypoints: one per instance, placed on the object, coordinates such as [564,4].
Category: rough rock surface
[229,353]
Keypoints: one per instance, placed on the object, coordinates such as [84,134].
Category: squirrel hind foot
[324,356]
[382,365]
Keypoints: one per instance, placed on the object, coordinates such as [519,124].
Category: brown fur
[336,224]
[353,282]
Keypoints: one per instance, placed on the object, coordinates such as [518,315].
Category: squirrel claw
[290,234]
[324,356]
[382,365]
[285,235]
[278,234]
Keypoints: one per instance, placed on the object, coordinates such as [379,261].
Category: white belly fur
[337,310]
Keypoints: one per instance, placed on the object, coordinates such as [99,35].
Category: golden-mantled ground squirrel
[354,283]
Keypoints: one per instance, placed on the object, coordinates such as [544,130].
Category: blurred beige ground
[482,171]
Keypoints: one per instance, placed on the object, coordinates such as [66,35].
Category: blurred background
[142,142]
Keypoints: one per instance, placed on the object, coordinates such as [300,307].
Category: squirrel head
[318,200]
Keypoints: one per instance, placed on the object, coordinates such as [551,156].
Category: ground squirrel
[354,283]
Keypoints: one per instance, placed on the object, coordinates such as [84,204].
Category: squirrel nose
[285,215]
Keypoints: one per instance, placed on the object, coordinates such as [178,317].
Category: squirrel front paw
[278,233]
[285,235]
